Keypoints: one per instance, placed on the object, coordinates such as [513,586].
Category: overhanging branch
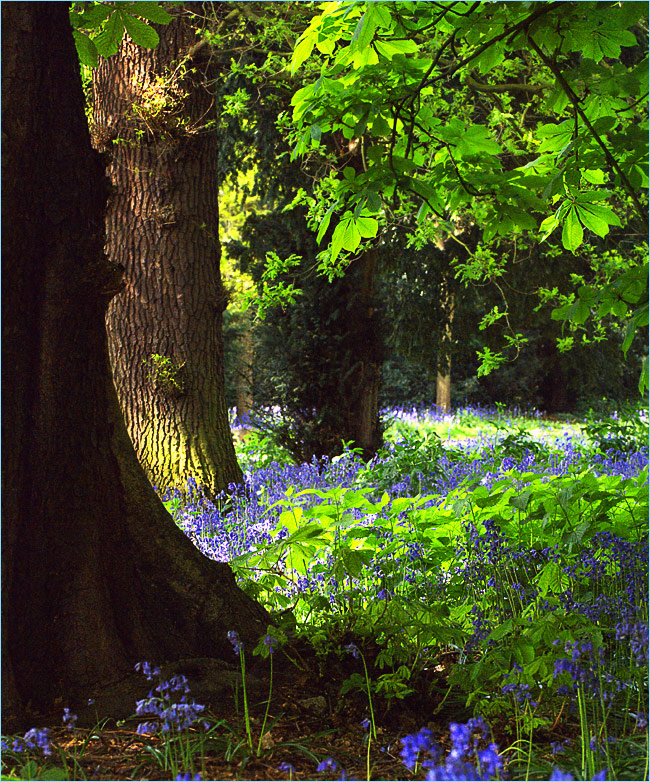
[575,100]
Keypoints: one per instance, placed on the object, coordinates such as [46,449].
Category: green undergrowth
[520,596]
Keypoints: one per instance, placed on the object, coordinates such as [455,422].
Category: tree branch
[479,87]
[575,100]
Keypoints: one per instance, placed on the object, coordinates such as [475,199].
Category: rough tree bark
[95,574]
[152,115]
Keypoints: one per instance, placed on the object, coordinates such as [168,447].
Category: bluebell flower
[354,650]
[415,744]
[35,738]
[187,777]
[286,767]
[234,639]
[146,669]
[69,719]
[329,764]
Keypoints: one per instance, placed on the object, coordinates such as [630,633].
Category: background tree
[95,574]
[543,376]
[320,359]
[155,116]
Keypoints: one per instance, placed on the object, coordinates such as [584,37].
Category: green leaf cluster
[98,28]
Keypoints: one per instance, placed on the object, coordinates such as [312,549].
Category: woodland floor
[309,721]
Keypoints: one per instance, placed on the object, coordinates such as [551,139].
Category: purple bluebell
[329,764]
[234,639]
[69,719]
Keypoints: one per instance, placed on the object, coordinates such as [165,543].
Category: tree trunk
[152,113]
[443,378]
[95,574]
[360,386]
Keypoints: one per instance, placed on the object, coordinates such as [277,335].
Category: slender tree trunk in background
[95,574]
[361,372]
[151,113]
[443,390]
[443,379]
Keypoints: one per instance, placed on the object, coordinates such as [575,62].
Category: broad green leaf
[628,337]
[380,127]
[524,652]
[367,227]
[551,579]
[303,50]
[389,49]
[108,40]
[351,235]
[363,57]
[606,41]
[86,49]
[53,774]
[373,201]
[554,137]
[594,175]
[502,630]
[141,33]
[151,11]
[490,58]
[572,232]
[521,500]
[548,225]
[600,213]
[477,140]
[337,241]
[324,225]
[365,29]
[592,221]
[93,16]
[291,518]
[325,45]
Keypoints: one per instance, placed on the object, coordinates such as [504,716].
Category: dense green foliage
[445,103]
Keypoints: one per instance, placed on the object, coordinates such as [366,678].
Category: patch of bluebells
[35,738]
[247,517]
[172,707]
[331,765]
[471,756]
[519,690]
[584,668]
[608,575]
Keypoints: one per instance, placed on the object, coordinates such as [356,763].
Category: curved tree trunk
[95,574]
[152,114]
